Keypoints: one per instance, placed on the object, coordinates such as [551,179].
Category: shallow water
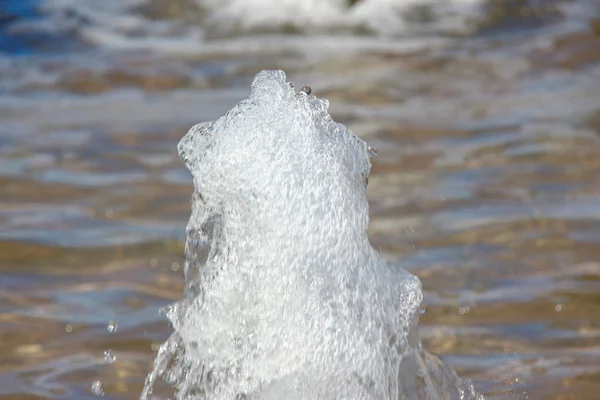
[485,185]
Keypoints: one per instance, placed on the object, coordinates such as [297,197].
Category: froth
[285,297]
[381,17]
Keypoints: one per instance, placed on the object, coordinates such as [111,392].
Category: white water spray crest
[284,296]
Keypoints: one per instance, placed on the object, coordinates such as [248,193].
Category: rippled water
[486,185]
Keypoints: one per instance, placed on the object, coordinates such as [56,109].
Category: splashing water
[285,298]
[97,388]
[109,356]
[112,327]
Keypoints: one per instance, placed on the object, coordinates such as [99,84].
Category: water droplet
[97,388]
[306,89]
[153,262]
[423,310]
[69,328]
[166,309]
[558,307]
[372,151]
[175,267]
[109,357]
[464,310]
[112,327]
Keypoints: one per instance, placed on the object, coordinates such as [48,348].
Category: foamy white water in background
[312,27]
[218,18]
[285,297]
[115,23]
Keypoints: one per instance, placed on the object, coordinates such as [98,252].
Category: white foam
[302,15]
[285,297]
[383,17]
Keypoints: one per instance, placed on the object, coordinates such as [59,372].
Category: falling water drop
[109,356]
[97,388]
[372,151]
[112,327]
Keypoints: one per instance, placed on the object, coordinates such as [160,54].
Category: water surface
[485,184]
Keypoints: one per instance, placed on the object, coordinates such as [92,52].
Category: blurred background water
[486,115]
